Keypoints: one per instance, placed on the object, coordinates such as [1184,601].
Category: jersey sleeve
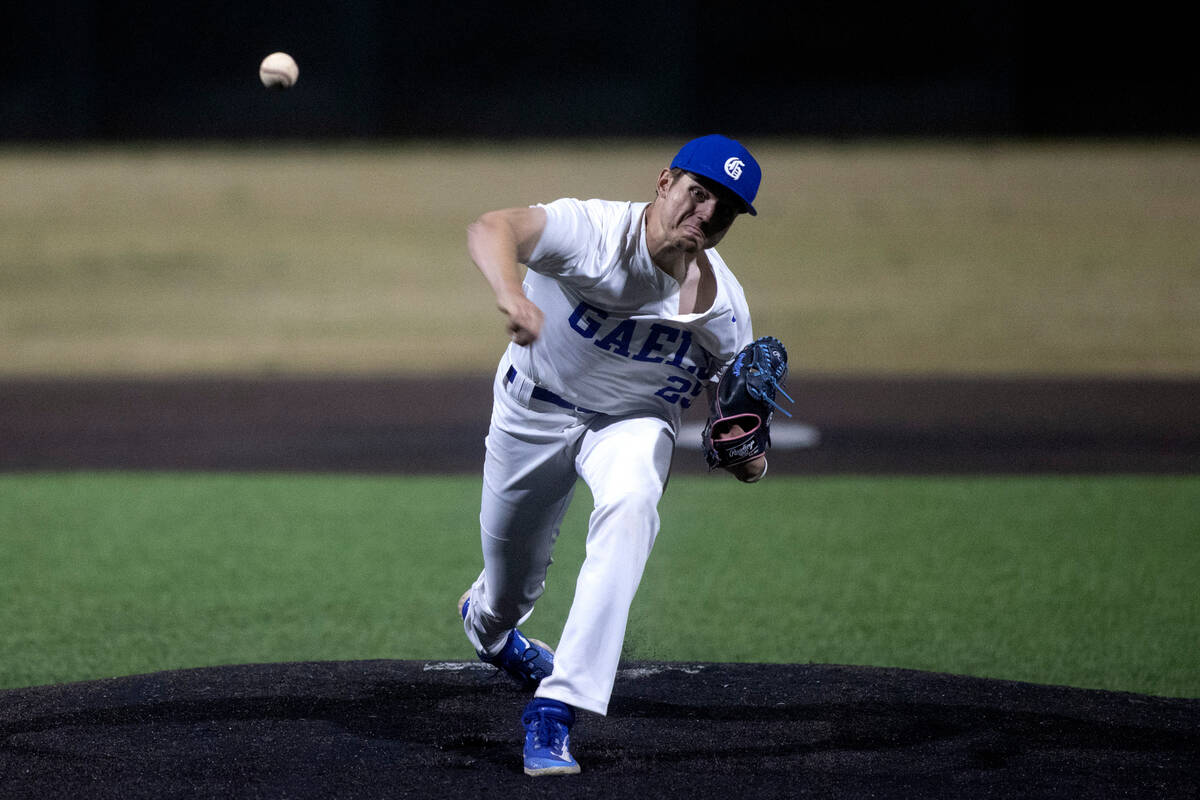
[569,234]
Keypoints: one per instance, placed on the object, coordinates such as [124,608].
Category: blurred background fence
[118,70]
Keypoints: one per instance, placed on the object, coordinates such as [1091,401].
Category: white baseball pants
[535,452]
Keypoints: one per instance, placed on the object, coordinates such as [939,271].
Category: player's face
[696,212]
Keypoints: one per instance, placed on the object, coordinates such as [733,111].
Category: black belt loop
[547,396]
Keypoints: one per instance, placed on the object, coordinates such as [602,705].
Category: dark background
[119,70]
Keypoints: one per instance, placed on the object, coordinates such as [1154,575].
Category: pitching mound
[450,729]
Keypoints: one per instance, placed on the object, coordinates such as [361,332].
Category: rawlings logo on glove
[739,425]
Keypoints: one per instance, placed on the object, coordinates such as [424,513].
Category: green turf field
[1080,581]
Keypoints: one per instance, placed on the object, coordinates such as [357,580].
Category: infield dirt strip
[376,729]
[413,425]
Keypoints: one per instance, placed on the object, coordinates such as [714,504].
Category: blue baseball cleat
[548,738]
[526,661]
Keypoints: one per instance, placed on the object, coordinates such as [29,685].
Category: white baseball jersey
[613,339]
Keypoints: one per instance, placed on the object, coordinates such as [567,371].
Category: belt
[545,395]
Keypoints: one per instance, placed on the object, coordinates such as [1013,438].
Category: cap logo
[733,167]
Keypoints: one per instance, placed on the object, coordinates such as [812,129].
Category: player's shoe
[548,738]
[527,661]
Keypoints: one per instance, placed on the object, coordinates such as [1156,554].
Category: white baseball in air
[278,71]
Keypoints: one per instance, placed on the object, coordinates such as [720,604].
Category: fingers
[524,322]
[729,430]
[522,336]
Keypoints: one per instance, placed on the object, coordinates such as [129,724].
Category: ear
[664,182]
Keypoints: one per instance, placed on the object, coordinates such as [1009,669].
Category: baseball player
[624,318]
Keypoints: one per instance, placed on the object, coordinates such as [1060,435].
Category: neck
[666,255]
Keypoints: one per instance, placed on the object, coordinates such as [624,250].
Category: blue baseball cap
[725,161]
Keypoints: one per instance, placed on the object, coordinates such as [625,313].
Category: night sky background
[119,71]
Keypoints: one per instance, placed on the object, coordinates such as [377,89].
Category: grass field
[867,257]
[1079,581]
[1056,258]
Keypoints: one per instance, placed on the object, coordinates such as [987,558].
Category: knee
[632,511]
[641,498]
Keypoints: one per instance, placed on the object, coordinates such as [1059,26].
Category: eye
[725,214]
[699,194]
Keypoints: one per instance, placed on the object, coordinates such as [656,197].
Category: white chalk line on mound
[632,673]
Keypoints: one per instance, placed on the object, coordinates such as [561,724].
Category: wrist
[508,299]
[750,471]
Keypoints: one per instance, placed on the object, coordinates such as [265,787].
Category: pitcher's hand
[524,319]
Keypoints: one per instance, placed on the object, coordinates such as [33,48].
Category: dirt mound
[378,729]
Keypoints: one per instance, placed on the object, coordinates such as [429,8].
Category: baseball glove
[745,399]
